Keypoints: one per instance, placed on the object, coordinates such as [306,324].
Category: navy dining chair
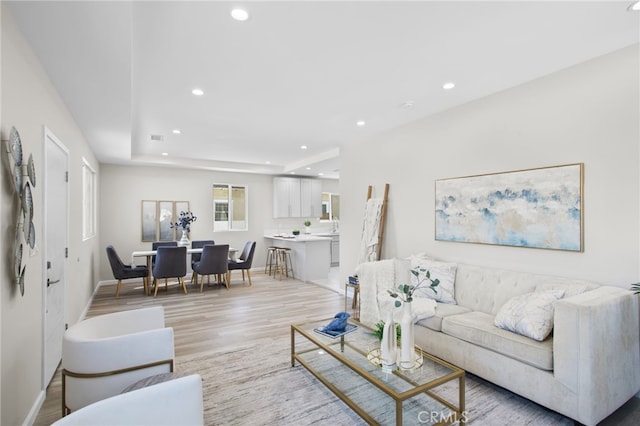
[195,257]
[244,262]
[126,272]
[171,262]
[213,262]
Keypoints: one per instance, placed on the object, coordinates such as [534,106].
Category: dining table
[150,253]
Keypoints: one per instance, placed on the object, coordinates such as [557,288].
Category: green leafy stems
[405,293]
[380,329]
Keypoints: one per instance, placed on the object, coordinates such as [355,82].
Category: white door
[55,243]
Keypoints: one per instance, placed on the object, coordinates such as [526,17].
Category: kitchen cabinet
[296,197]
[310,197]
[335,250]
[286,197]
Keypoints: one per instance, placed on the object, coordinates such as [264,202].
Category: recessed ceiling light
[320,174]
[176,131]
[448,86]
[292,173]
[198,92]
[303,147]
[308,168]
[165,153]
[267,162]
[239,14]
[360,123]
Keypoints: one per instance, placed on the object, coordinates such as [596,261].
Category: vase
[184,241]
[407,350]
[307,230]
[389,343]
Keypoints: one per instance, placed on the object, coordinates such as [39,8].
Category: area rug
[254,384]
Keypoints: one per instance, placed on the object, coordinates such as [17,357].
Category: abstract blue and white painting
[541,208]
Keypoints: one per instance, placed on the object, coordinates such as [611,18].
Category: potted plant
[184,223]
[296,232]
[307,224]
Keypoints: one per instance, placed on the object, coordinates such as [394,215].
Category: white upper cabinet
[296,197]
[311,197]
[286,197]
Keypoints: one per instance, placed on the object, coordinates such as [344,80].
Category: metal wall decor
[24,178]
[539,208]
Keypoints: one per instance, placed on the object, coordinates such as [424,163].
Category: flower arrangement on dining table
[184,221]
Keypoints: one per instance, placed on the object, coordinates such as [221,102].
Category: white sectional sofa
[585,369]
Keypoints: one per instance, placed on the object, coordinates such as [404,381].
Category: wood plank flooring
[220,320]
[216,318]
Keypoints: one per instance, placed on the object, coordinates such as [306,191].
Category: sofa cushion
[478,328]
[530,314]
[443,310]
[443,271]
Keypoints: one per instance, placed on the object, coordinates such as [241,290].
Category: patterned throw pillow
[445,272]
[529,314]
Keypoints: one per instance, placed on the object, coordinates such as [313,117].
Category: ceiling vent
[158,138]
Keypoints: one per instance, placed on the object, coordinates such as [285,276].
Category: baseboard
[35,409]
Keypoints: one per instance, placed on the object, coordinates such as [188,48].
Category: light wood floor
[220,318]
[216,317]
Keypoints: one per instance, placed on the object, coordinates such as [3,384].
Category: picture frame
[535,208]
[157,217]
[149,220]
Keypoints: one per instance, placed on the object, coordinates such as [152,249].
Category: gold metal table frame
[351,352]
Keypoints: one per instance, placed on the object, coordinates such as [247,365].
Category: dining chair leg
[145,283]
[201,283]
[184,285]
[249,276]
[118,288]
[155,285]
[228,278]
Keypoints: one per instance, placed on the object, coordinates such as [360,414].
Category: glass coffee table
[348,366]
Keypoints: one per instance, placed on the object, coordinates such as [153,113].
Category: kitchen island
[310,254]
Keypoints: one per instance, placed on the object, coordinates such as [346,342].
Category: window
[330,206]
[88,200]
[230,207]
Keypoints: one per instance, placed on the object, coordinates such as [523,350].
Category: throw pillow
[445,272]
[529,314]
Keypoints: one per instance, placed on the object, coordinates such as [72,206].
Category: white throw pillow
[445,272]
[529,314]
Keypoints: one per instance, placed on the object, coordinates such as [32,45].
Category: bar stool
[272,259]
[283,262]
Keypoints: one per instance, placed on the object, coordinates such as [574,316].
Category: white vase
[307,230]
[389,343]
[407,350]
[184,241]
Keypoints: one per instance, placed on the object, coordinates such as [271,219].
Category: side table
[355,303]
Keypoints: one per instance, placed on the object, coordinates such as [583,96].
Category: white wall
[587,113]
[29,102]
[122,188]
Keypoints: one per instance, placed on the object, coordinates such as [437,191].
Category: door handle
[49,282]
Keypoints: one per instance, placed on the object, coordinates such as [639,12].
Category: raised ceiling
[295,73]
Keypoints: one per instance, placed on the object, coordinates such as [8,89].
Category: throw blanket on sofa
[375,280]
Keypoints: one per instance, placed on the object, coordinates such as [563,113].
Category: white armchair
[103,355]
[176,402]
